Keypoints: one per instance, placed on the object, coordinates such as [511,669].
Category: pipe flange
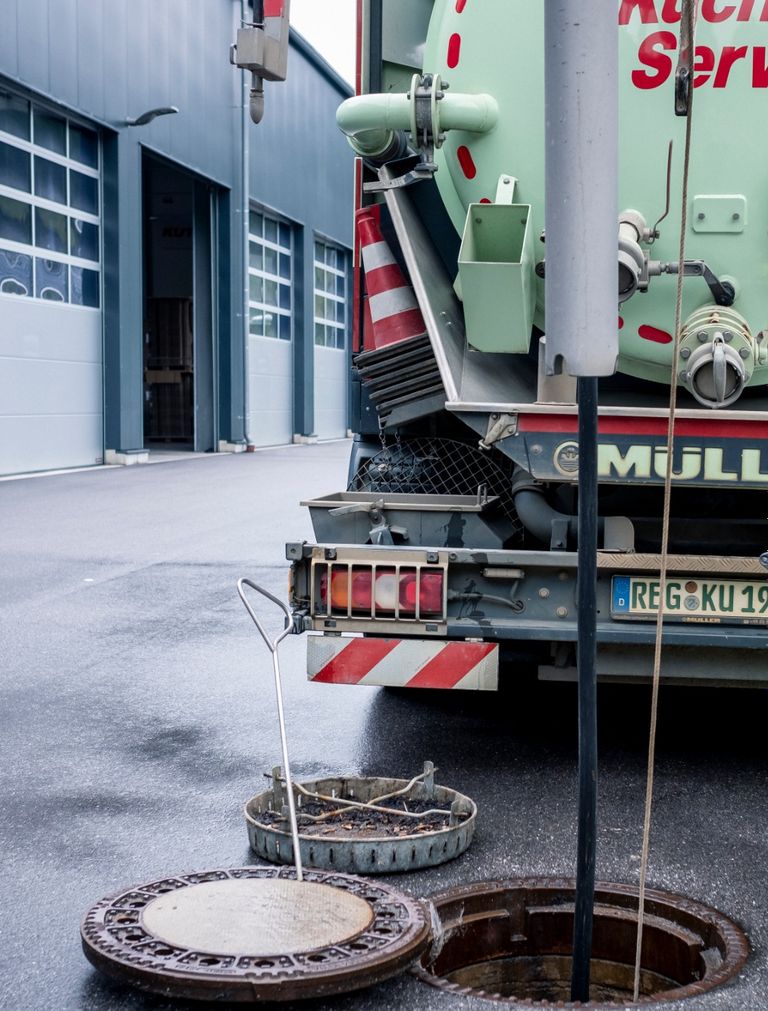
[718,356]
[715,374]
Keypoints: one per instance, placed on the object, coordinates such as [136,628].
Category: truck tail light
[385,591]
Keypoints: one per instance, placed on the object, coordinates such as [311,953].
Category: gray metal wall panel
[62,42]
[93,35]
[9,49]
[32,42]
[111,61]
[135,38]
[300,162]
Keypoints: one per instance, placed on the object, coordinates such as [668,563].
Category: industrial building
[134,239]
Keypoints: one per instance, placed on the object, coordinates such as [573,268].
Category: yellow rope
[689,13]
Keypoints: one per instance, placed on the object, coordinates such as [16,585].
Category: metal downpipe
[245,166]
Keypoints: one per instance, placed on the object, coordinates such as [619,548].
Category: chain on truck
[450,560]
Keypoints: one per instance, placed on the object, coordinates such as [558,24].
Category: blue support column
[232,338]
[304,334]
[123,295]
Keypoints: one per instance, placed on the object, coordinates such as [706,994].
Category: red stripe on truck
[355,661]
[451,665]
[715,428]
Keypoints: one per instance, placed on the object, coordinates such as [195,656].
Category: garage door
[331,329]
[270,348]
[50,317]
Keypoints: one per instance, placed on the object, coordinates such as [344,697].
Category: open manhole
[255,934]
[363,824]
[512,940]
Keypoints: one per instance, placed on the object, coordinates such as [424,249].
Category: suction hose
[539,517]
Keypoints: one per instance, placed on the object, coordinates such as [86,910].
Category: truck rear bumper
[403,663]
[519,601]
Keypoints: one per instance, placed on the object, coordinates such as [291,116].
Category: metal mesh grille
[439,467]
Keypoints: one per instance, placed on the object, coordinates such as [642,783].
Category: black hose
[537,515]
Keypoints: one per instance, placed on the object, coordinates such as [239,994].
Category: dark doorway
[178,310]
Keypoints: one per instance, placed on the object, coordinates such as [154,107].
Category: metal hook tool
[272,645]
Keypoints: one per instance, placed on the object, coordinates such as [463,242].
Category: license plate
[715,601]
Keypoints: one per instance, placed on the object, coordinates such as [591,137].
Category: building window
[330,296]
[49,205]
[270,277]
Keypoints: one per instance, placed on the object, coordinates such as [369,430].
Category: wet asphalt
[137,715]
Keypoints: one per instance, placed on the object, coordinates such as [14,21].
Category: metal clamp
[500,426]
[684,72]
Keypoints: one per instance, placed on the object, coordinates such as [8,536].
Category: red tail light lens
[428,588]
[405,592]
[431,592]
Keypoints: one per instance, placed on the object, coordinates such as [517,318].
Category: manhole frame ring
[738,947]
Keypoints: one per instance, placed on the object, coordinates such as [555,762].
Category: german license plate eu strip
[691,599]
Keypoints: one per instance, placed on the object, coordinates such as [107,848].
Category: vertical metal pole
[581,78]
[586,663]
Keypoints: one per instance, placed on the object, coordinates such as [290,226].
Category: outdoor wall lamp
[150,114]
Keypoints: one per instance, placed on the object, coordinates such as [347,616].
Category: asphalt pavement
[137,715]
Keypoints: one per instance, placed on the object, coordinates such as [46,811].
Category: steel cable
[688,23]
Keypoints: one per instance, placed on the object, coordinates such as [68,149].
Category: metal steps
[403,380]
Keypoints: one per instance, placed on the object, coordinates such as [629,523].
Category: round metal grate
[439,467]
[349,843]
[255,934]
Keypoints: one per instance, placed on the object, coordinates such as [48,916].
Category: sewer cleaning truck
[449,560]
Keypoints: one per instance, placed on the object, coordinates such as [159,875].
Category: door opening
[178,310]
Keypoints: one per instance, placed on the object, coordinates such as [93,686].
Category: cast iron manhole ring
[511,941]
[381,850]
[151,936]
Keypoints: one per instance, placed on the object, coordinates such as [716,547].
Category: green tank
[491,51]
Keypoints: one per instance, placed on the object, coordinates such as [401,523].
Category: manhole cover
[255,934]
[412,824]
[512,940]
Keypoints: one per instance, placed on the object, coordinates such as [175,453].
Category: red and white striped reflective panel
[403,663]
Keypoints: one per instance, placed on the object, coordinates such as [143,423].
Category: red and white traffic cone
[392,303]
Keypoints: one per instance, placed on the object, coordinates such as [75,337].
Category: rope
[687,27]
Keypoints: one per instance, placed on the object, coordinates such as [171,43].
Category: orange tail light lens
[354,591]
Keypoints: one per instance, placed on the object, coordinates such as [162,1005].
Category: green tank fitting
[371,122]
